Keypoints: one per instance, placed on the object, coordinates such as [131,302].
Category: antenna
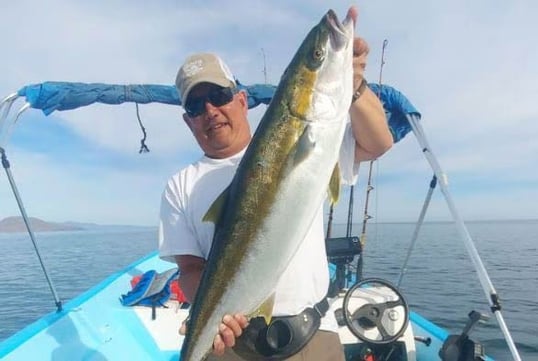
[264,67]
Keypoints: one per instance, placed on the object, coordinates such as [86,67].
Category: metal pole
[483,277]
[414,238]
[6,165]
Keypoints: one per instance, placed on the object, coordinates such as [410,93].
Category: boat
[375,321]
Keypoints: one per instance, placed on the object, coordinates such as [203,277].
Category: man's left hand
[360,55]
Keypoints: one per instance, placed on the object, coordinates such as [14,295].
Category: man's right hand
[230,329]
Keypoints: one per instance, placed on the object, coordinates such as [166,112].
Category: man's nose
[210,109]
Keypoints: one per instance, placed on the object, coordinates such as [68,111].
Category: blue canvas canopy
[397,107]
[52,96]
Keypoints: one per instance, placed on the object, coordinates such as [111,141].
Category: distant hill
[16,224]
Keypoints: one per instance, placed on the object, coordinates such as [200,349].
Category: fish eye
[318,54]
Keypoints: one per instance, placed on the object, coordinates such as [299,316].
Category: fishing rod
[385,43]
[369,186]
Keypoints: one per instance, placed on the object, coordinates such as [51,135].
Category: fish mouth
[340,32]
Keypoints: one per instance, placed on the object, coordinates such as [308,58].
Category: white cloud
[469,67]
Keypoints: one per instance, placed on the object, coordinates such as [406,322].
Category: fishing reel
[375,311]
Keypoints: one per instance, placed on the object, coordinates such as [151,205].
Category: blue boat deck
[95,326]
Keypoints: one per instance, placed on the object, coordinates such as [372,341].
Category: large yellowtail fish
[283,176]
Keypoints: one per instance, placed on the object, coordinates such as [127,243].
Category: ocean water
[440,282]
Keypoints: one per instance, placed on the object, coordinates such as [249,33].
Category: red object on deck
[135,280]
[177,292]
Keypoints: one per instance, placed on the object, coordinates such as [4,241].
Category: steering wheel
[375,311]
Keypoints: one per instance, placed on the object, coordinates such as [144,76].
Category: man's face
[221,131]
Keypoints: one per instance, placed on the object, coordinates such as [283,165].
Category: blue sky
[471,68]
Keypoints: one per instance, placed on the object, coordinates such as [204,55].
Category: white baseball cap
[202,68]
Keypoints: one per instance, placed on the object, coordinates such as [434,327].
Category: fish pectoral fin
[213,213]
[304,145]
[266,309]
[334,185]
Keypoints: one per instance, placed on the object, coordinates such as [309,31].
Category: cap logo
[193,68]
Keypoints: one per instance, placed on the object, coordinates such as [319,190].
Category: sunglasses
[217,97]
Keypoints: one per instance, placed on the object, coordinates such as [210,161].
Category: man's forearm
[189,285]
[190,274]
[370,127]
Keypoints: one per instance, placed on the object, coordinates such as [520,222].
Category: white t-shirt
[189,194]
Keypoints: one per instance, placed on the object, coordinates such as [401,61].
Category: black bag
[283,337]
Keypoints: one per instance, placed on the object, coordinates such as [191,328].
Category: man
[216,114]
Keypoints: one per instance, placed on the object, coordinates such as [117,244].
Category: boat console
[373,316]
[374,322]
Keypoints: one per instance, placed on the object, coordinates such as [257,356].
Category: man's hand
[360,54]
[368,120]
[230,329]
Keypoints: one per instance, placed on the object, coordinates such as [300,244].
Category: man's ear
[187,120]
[243,99]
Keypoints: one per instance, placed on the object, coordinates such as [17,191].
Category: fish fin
[266,309]
[304,146]
[334,185]
[215,210]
